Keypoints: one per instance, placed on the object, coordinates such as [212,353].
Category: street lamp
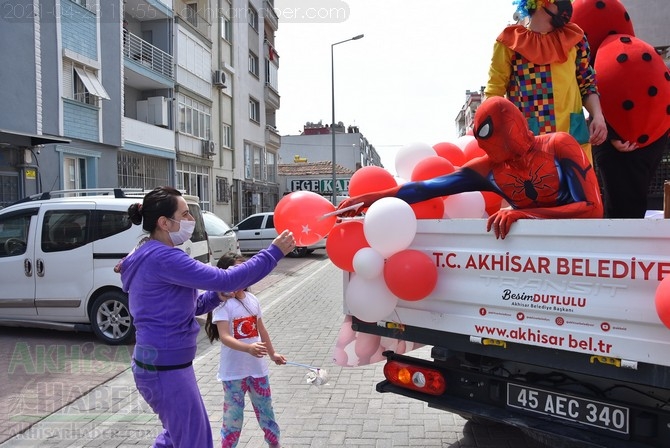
[332,124]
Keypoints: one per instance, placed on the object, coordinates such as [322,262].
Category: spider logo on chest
[529,185]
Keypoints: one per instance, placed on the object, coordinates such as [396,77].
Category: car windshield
[215,225]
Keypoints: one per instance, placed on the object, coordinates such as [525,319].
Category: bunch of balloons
[375,248]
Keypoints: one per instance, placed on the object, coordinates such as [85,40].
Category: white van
[57,256]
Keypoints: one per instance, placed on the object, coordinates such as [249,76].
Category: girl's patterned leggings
[233,410]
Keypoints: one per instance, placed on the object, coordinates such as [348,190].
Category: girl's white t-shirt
[242,316]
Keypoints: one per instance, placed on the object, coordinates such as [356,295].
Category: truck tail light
[421,379]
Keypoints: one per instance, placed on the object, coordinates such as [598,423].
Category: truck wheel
[110,318]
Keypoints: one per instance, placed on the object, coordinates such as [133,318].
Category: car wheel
[298,252]
[110,318]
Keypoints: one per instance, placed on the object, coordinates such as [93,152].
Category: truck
[553,329]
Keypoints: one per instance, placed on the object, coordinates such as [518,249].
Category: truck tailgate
[586,286]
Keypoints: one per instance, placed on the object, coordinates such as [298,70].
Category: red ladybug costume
[634,86]
[599,19]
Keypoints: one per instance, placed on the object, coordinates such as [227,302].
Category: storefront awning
[23,139]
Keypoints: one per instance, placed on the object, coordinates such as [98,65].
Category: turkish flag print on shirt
[245,327]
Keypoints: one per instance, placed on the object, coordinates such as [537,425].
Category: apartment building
[306,159]
[60,124]
[141,93]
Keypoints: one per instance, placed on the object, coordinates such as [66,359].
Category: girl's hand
[257,349]
[278,359]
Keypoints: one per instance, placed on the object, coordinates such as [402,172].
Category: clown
[546,176]
[545,70]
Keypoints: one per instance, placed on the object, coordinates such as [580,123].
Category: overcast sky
[404,82]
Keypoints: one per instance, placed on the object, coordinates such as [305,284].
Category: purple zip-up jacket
[162,284]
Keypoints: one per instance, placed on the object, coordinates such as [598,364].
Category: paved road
[303,313]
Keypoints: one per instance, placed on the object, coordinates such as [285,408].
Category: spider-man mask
[501,130]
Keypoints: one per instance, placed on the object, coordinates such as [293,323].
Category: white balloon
[409,155]
[389,226]
[368,263]
[470,204]
[369,299]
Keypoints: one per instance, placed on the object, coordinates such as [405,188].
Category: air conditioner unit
[219,78]
[208,148]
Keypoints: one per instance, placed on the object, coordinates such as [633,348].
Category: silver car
[221,237]
[258,231]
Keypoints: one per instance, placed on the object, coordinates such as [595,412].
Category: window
[64,230]
[222,190]
[254,110]
[14,233]
[247,161]
[74,173]
[252,223]
[227,136]
[110,222]
[195,118]
[253,64]
[142,171]
[87,88]
[271,167]
[258,163]
[226,29]
[252,16]
[194,179]
[271,75]
[192,13]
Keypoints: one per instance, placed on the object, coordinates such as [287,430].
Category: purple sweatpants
[175,397]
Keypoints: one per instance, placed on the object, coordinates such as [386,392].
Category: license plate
[567,407]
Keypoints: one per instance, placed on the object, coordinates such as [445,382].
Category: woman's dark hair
[161,201]
[227,260]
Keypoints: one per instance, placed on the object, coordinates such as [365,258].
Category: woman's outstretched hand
[285,242]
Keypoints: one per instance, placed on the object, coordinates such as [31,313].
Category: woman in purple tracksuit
[162,283]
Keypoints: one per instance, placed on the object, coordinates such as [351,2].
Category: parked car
[257,232]
[57,256]
[221,236]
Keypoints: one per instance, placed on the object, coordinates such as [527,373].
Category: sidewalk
[303,314]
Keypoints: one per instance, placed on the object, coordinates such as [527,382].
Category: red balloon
[344,240]
[472,150]
[430,167]
[370,179]
[410,275]
[302,212]
[429,209]
[663,301]
[450,151]
[492,202]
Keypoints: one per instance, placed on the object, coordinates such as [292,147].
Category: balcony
[269,15]
[140,134]
[189,13]
[272,137]
[143,53]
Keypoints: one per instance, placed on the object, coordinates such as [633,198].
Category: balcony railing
[142,52]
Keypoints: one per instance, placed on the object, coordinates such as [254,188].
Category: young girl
[238,324]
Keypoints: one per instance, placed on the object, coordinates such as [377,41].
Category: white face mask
[185,231]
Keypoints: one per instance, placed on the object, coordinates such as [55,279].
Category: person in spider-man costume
[545,176]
